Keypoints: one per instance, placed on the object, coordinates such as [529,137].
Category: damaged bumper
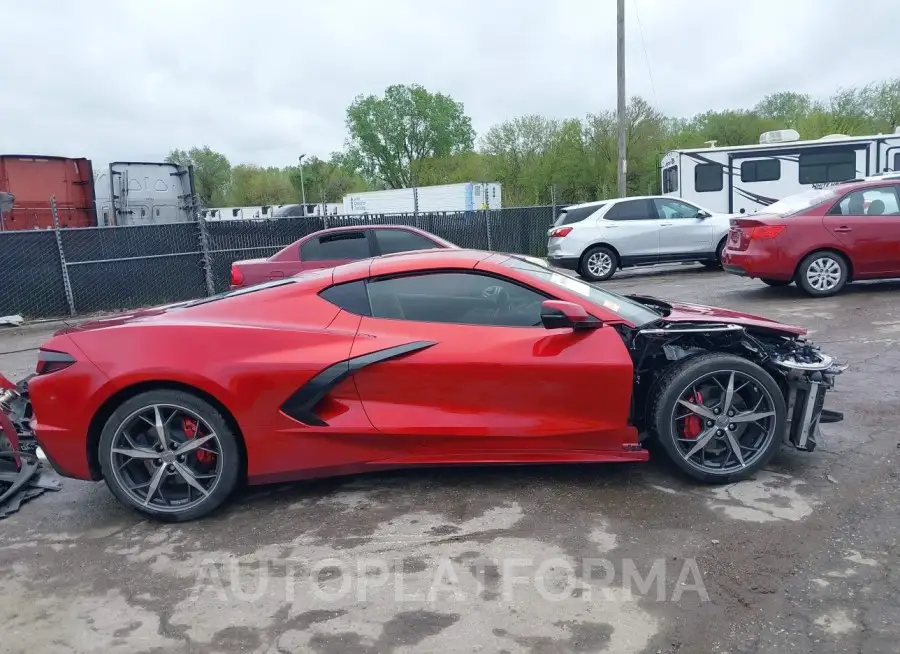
[808,381]
[21,471]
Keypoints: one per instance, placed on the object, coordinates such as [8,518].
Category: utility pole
[620,84]
[302,185]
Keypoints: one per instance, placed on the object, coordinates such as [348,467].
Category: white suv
[598,238]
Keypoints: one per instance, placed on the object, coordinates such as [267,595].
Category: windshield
[800,201]
[634,312]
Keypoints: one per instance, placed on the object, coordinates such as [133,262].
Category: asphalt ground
[542,559]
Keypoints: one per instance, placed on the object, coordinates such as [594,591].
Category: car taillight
[237,277]
[766,231]
[559,232]
[52,361]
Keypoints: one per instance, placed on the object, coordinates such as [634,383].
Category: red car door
[867,223]
[465,371]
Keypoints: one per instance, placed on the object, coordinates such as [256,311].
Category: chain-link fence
[51,273]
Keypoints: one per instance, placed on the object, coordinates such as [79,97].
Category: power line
[644,45]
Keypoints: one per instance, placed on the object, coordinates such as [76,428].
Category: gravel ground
[618,558]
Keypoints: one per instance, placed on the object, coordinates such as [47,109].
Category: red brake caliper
[692,424]
[190,430]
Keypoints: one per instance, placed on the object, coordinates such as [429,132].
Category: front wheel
[598,264]
[169,455]
[718,417]
[822,274]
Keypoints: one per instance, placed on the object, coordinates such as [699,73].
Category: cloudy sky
[266,80]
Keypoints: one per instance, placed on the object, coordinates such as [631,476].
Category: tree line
[410,136]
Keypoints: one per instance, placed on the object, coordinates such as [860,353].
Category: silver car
[597,238]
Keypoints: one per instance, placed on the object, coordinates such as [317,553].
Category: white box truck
[466,196]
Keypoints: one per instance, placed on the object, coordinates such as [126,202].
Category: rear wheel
[169,455]
[777,283]
[599,263]
[822,274]
[718,417]
[717,262]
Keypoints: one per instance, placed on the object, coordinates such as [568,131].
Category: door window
[631,210]
[881,201]
[391,241]
[456,297]
[669,209]
[338,245]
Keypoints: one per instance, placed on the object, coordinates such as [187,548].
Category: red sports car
[821,238]
[332,247]
[418,359]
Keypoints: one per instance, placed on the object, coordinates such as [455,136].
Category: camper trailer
[746,178]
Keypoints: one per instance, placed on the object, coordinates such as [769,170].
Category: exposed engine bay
[802,371]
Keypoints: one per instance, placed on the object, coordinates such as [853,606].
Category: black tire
[231,464]
[717,262]
[602,252]
[822,260]
[678,379]
[777,283]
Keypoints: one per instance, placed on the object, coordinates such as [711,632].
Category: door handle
[843,228]
[665,224]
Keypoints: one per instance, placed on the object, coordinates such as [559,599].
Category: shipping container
[141,193]
[466,196]
[33,179]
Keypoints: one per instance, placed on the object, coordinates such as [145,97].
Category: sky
[268,80]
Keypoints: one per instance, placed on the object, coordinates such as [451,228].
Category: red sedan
[429,358]
[821,239]
[332,247]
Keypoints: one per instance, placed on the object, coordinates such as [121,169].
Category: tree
[212,172]
[785,108]
[256,186]
[389,135]
[326,181]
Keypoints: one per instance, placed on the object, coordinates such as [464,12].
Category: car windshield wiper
[654,304]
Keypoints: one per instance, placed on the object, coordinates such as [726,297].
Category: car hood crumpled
[685,312]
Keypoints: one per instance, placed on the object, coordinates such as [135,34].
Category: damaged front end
[804,373]
[21,476]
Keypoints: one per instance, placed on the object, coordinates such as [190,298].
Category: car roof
[597,203]
[391,264]
[854,184]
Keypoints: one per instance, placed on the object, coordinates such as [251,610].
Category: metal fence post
[416,206]
[487,224]
[553,202]
[205,257]
[67,285]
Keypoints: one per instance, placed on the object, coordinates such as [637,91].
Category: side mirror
[703,214]
[556,314]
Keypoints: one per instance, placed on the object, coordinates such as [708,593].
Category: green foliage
[413,137]
[388,136]
[212,172]
[325,181]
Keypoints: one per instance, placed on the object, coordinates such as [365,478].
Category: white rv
[746,178]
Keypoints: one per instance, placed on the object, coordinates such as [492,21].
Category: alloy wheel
[599,264]
[166,457]
[823,274]
[723,422]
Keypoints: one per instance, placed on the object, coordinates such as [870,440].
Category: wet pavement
[616,558]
